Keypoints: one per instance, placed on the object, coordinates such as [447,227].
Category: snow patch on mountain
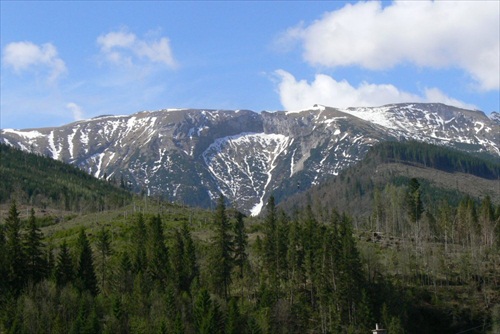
[242,165]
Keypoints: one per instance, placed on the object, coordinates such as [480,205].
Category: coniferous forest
[412,266]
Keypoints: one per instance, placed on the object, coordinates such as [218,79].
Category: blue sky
[65,61]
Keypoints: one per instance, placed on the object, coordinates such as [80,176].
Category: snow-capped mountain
[190,156]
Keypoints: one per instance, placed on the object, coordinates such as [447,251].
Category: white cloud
[436,34]
[76,110]
[124,48]
[22,56]
[297,95]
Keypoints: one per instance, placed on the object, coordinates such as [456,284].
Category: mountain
[190,155]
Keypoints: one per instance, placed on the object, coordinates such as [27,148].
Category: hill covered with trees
[444,174]
[46,183]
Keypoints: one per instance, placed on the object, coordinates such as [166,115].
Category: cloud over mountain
[25,55]
[299,94]
[433,34]
[124,48]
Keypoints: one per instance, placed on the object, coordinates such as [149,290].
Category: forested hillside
[43,182]
[444,175]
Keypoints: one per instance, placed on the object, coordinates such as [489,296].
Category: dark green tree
[123,279]
[234,323]
[295,260]
[240,256]
[190,260]
[311,243]
[203,312]
[64,271]
[282,230]
[14,252]
[350,273]
[184,264]
[104,248]
[36,265]
[221,260]
[86,279]
[157,253]
[269,242]
[3,266]
[139,240]
[414,204]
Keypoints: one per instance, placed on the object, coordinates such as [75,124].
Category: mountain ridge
[191,155]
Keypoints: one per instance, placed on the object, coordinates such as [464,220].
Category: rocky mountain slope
[190,156]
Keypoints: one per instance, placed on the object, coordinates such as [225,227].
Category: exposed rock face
[190,156]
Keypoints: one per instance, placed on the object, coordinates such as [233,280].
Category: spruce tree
[270,241]
[14,252]
[311,243]
[124,277]
[64,272]
[139,239]
[282,230]
[3,266]
[240,244]
[350,271]
[157,253]
[234,320]
[414,204]
[184,265]
[221,261]
[85,277]
[177,256]
[104,249]
[36,266]
[189,260]
[204,320]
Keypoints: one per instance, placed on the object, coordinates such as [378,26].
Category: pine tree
[414,201]
[157,253]
[177,256]
[240,244]
[204,320]
[282,230]
[233,322]
[3,266]
[36,266]
[221,261]
[64,272]
[124,277]
[269,241]
[190,261]
[350,271]
[295,259]
[311,239]
[104,249]
[139,239]
[14,252]
[85,277]
[184,265]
